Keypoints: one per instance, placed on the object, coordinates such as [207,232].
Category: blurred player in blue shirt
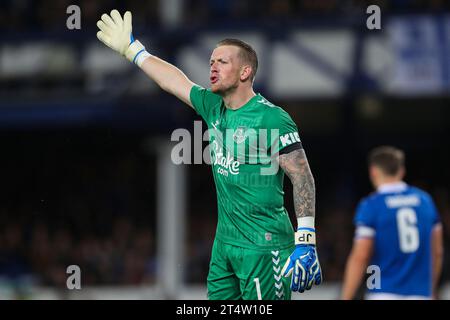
[398,231]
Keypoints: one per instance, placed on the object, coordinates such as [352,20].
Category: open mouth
[214,79]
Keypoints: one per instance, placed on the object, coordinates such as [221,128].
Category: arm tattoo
[296,167]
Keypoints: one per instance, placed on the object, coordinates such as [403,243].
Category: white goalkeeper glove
[303,263]
[116,33]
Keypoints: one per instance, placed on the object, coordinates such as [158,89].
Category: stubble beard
[224,91]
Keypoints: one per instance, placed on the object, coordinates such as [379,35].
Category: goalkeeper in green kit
[256,253]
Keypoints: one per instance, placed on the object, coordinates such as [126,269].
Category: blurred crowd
[65,207]
[123,255]
[37,15]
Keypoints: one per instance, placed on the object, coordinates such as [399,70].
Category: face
[225,69]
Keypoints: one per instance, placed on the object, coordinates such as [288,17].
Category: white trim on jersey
[392,187]
[364,232]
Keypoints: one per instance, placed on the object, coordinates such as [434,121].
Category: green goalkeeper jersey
[249,183]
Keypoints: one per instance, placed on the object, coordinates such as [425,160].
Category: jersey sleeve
[364,220]
[204,101]
[282,131]
[436,219]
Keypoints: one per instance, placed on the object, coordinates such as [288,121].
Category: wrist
[136,52]
[305,222]
[306,233]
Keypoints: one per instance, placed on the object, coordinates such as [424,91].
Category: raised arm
[303,263]
[116,33]
[169,78]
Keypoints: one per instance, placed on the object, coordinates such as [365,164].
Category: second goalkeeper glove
[116,33]
[303,263]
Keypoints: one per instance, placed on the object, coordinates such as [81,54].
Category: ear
[373,172]
[246,72]
[401,173]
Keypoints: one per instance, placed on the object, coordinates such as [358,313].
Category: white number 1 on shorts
[258,288]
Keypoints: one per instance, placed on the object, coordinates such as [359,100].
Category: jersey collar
[392,187]
[250,101]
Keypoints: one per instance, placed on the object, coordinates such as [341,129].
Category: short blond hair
[246,53]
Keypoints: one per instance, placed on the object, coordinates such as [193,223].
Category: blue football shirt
[400,218]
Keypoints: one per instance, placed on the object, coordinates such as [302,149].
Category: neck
[238,98]
[387,180]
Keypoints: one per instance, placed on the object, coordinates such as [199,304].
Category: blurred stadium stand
[85,135]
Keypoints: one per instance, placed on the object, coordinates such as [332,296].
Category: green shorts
[248,274]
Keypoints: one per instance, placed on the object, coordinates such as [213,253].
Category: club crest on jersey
[239,135]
